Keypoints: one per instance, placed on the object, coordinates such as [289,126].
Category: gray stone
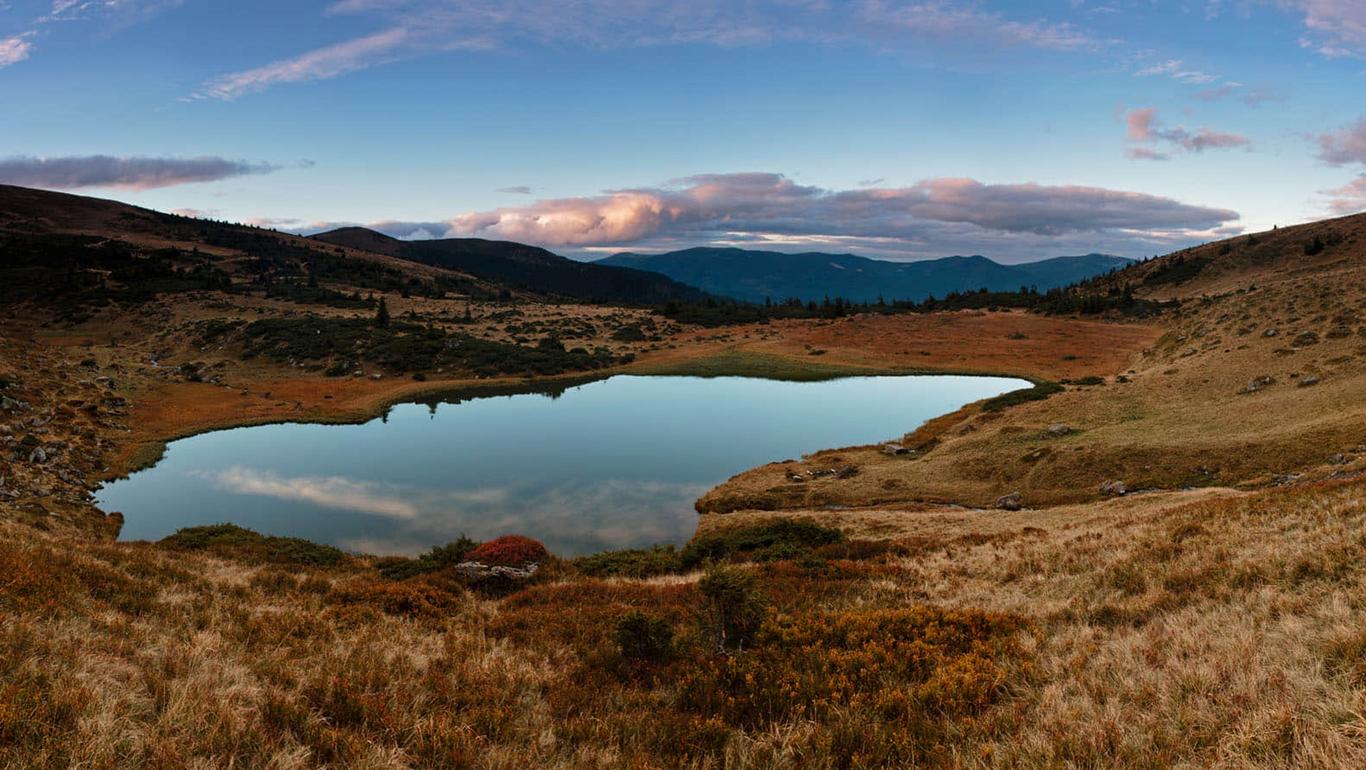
[1010,502]
[1114,489]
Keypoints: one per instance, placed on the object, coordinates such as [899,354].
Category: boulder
[1059,430]
[1010,502]
[477,571]
[1306,339]
[1114,488]
[1270,332]
[1308,380]
[893,449]
[1259,383]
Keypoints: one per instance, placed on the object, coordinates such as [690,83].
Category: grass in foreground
[1225,631]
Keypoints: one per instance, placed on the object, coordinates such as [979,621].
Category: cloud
[520,189]
[1336,28]
[417,27]
[932,217]
[1143,126]
[320,64]
[1176,69]
[137,173]
[14,50]
[1344,146]
[1348,199]
[326,491]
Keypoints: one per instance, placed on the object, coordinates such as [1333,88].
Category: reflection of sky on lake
[610,464]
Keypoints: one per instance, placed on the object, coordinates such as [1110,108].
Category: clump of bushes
[440,557]
[509,551]
[643,638]
[1037,393]
[242,544]
[631,563]
[732,607]
[767,541]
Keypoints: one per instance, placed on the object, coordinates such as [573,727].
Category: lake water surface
[614,463]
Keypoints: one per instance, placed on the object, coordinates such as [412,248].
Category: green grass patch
[242,544]
[768,541]
[1037,393]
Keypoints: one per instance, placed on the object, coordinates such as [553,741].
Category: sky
[902,130]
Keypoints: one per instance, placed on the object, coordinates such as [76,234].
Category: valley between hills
[1152,558]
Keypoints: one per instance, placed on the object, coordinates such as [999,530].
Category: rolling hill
[523,267]
[756,275]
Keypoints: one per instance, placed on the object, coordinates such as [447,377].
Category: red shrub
[509,551]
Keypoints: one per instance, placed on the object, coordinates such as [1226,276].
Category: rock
[477,571]
[893,449]
[1113,489]
[1306,339]
[37,456]
[1059,430]
[1339,331]
[1338,459]
[1308,380]
[846,472]
[1010,502]
[795,477]
[1259,383]
[1270,332]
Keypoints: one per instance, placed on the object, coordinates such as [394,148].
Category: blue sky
[899,129]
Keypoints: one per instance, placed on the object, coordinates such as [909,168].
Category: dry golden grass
[1206,629]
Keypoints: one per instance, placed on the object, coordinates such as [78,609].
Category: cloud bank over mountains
[932,217]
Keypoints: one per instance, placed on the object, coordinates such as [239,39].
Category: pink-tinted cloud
[1336,28]
[136,173]
[933,216]
[14,50]
[1346,145]
[1144,127]
[1348,199]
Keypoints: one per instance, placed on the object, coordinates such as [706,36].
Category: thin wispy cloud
[520,189]
[1177,70]
[930,217]
[417,27]
[134,173]
[1145,128]
[319,64]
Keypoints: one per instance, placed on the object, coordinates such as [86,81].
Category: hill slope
[524,267]
[755,275]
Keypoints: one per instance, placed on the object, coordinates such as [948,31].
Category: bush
[1037,393]
[509,551]
[441,556]
[234,542]
[632,563]
[732,608]
[643,638]
[769,541]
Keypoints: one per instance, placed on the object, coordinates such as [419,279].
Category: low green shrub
[630,563]
[240,543]
[768,541]
[1037,393]
[643,638]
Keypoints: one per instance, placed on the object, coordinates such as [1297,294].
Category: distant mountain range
[524,267]
[756,275]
